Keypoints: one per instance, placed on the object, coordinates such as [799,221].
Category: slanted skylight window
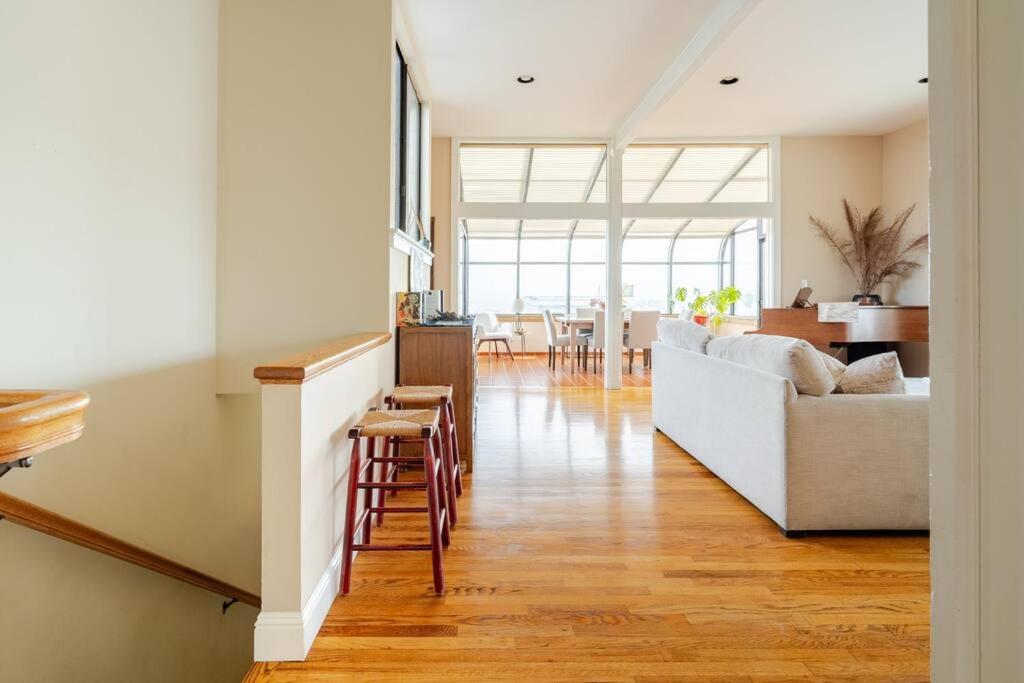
[532,173]
[695,173]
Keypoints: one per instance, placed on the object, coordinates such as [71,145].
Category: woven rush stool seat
[394,427]
[421,395]
[405,396]
[401,423]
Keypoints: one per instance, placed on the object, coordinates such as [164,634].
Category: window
[721,191]
[407,113]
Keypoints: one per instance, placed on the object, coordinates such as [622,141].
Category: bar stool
[409,396]
[408,426]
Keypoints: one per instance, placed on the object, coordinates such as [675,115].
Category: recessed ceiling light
[525,80]
[729,81]
[923,80]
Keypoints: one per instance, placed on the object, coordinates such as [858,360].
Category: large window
[407,113]
[695,216]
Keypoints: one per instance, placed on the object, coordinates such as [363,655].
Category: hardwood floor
[533,371]
[591,548]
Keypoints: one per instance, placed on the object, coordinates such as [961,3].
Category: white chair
[643,329]
[585,313]
[595,340]
[554,338]
[489,331]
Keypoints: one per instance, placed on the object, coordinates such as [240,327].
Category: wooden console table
[435,355]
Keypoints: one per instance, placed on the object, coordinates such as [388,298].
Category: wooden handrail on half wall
[302,367]
[26,514]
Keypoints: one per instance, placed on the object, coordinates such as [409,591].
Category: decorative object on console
[874,253]
[449,319]
[839,312]
[408,308]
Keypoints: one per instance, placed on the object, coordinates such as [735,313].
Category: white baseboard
[287,636]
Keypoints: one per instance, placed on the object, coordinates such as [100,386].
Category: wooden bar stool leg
[350,517]
[368,494]
[395,450]
[446,479]
[434,515]
[453,439]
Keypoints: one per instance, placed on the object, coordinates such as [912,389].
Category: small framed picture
[409,309]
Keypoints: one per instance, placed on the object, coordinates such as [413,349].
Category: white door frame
[976,103]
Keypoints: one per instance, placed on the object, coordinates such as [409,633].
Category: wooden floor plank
[590,547]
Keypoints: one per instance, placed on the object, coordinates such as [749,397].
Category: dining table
[574,325]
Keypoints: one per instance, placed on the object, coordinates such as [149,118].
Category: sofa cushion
[878,374]
[835,367]
[684,334]
[794,359]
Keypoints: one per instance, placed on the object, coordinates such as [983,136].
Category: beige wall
[816,174]
[441,203]
[108,230]
[305,159]
[905,182]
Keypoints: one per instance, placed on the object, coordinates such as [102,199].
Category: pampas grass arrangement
[874,252]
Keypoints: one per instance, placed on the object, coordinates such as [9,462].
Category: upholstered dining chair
[489,331]
[595,340]
[555,339]
[643,329]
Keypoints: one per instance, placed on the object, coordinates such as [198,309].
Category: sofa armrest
[857,462]
[730,417]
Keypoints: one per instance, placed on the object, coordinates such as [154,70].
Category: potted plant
[712,307]
[679,295]
[873,252]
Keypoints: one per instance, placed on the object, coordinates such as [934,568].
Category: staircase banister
[32,516]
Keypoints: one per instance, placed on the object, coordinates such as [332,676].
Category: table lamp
[518,306]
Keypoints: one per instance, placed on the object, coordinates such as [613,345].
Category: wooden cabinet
[444,355]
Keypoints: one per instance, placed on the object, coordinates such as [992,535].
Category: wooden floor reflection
[592,548]
[533,371]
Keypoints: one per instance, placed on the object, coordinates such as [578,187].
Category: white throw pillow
[835,367]
[792,358]
[879,374]
[684,334]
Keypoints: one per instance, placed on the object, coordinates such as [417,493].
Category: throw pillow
[792,358]
[835,367]
[684,334]
[879,374]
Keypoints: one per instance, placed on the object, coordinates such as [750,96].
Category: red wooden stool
[408,426]
[409,396]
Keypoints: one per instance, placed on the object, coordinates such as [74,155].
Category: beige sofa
[834,462]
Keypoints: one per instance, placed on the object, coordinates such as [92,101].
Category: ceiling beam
[725,16]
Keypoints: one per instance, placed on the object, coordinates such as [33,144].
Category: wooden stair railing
[50,523]
[35,421]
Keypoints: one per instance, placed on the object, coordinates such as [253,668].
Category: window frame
[767,215]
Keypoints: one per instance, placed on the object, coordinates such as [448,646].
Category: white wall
[305,178]
[108,230]
[305,478]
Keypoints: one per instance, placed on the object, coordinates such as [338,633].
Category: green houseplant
[680,295]
[711,307]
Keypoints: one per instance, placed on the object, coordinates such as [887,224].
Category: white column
[613,277]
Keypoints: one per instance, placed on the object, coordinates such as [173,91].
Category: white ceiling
[593,61]
[806,67]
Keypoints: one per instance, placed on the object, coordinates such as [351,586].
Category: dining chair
[643,329]
[595,340]
[585,313]
[490,331]
[555,339]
